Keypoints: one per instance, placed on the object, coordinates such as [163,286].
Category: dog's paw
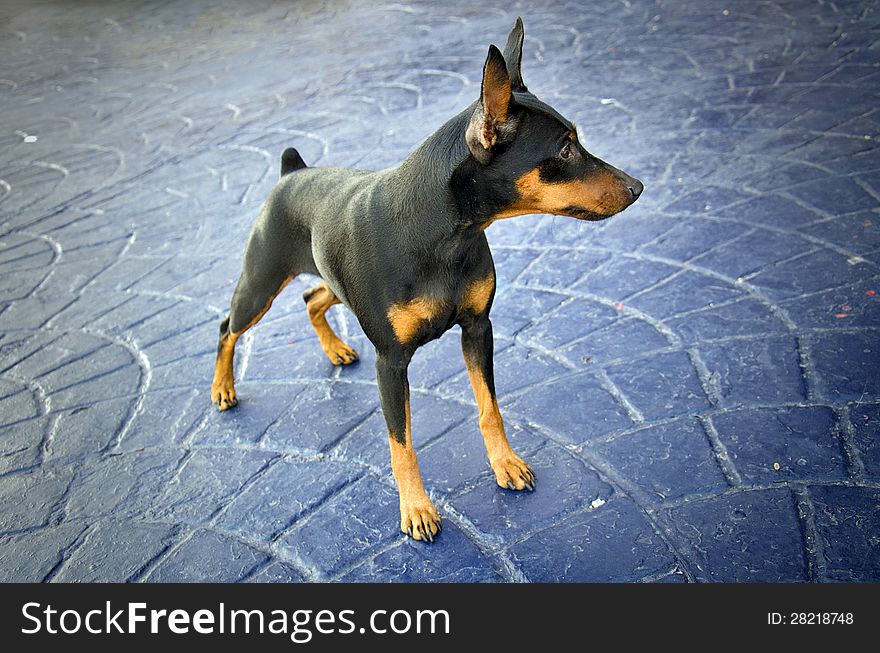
[512,473]
[340,353]
[420,520]
[223,396]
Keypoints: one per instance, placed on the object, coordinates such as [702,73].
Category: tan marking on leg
[407,318]
[223,385]
[320,299]
[601,193]
[478,294]
[511,472]
[418,516]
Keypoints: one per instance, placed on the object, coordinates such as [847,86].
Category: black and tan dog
[405,250]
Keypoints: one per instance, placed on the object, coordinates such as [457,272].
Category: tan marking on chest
[407,318]
[478,294]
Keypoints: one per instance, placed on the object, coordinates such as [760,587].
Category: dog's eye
[566,151]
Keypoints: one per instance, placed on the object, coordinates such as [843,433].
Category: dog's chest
[428,315]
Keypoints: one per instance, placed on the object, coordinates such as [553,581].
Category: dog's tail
[290,161]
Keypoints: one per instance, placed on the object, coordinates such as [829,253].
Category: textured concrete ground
[694,381]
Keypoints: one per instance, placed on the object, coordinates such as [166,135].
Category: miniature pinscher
[405,250]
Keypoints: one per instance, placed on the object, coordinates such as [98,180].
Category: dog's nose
[636,189]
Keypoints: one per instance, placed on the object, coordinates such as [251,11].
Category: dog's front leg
[511,471]
[418,517]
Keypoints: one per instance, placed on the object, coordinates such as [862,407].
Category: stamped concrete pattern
[694,381]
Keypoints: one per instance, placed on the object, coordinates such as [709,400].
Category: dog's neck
[438,187]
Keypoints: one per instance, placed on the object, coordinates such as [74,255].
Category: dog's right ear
[490,118]
[513,56]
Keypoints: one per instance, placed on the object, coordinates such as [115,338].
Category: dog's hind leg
[262,279]
[318,300]
[245,313]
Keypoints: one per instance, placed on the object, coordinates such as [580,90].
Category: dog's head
[528,146]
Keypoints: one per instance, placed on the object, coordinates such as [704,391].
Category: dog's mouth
[585,214]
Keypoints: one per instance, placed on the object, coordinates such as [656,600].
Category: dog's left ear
[489,119]
[513,56]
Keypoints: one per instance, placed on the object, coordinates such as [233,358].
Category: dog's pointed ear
[513,56]
[492,112]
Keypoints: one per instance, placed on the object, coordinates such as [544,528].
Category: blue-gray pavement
[694,381]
